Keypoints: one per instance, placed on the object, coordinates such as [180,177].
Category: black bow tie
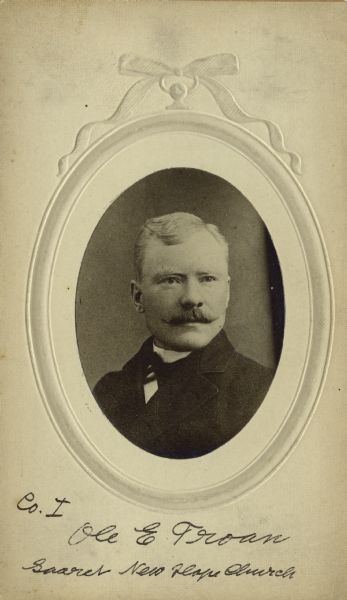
[156,368]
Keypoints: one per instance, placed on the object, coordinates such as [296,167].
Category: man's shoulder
[117,394]
[108,381]
[249,366]
[116,379]
[247,382]
[221,356]
[129,366]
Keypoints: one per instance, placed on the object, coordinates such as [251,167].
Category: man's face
[184,291]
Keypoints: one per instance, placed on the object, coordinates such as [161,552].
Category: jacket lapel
[189,390]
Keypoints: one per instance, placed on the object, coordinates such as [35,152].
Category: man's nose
[191,295]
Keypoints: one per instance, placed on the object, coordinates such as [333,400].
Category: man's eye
[208,278]
[170,280]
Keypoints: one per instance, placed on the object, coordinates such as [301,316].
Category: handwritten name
[190,533]
[184,532]
[181,533]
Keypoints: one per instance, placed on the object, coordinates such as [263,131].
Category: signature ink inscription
[27,503]
[236,569]
[148,534]
[108,534]
[183,532]
[141,569]
[193,571]
[198,574]
[37,567]
[60,503]
[246,569]
[191,534]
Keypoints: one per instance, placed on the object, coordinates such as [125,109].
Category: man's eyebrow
[171,273]
[167,273]
[218,272]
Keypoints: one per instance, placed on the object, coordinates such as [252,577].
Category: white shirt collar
[169,356]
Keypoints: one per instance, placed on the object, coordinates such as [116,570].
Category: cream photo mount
[113,163]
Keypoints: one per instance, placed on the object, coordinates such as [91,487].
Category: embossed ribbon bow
[200,71]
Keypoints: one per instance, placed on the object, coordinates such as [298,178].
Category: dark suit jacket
[208,398]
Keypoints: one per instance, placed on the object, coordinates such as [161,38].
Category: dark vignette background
[108,329]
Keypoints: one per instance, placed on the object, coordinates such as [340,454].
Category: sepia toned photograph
[180,313]
[173,361]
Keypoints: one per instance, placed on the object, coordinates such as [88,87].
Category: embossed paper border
[320,300]
[178,83]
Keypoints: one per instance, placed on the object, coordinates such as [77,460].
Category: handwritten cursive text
[37,567]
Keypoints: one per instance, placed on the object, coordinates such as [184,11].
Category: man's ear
[136,295]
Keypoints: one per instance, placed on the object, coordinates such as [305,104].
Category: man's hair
[172,229]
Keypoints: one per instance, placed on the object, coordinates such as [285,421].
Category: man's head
[182,281]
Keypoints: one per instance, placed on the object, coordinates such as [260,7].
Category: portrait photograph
[180,312]
[174,300]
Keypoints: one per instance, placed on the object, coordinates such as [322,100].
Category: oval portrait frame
[113,163]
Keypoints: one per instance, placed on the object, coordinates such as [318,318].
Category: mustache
[194,315]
